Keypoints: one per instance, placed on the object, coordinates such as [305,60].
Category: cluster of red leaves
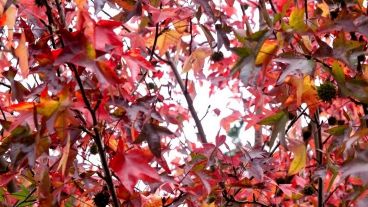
[87,100]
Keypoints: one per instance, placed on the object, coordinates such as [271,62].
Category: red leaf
[6,178]
[220,140]
[225,122]
[133,166]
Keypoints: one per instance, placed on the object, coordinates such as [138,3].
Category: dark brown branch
[273,6]
[51,22]
[150,58]
[306,10]
[61,13]
[319,148]
[190,50]
[97,138]
[230,199]
[202,135]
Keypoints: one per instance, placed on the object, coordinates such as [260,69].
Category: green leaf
[337,130]
[273,119]
[338,72]
[279,131]
[2,192]
[257,35]
[242,51]
[296,20]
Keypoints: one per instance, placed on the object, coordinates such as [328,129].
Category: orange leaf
[127,5]
[266,52]
[11,14]
[22,54]
[24,106]
[166,40]
[151,201]
[196,60]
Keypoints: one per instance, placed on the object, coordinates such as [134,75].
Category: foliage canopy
[92,97]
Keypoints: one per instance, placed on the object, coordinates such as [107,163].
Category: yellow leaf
[166,40]
[47,105]
[296,20]
[205,204]
[61,124]
[22,54]
[267,50]
[325,9]
[64,158]
[196,60]
[300,157]
[90,50]
[305,91]
[181,25]
[80,3]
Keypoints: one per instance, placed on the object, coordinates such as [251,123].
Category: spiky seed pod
[326,92]
[102,198]
[332,120]
[217,56]
[308,190]
[40,3]
[93,150]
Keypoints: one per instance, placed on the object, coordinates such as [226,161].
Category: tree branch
[97,138]
[202,135]
[319,148]
[61,13]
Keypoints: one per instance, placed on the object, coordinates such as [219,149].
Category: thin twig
[329,195]
[150,58]
[97,138]
[26,198]
[230,199]
[190,51]
[273,7]
[287,129]
[51,22]
[202,135]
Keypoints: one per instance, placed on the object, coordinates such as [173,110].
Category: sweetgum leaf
[300,157]
[296,65]
[133,166]
[273,119]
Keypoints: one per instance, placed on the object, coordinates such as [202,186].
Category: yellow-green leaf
[273,119]
[300,157]
[296,20]
[338,130]
[338,72]
[47,105]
